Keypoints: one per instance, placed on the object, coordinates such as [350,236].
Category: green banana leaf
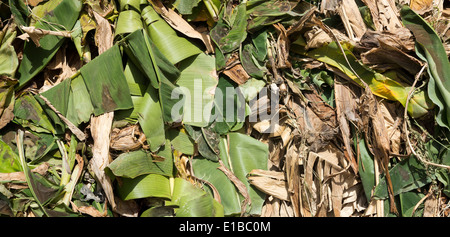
[79,105]
[185,7]
[106,83]
[128,21]
[407,175]
[244,155]
[172,46]
[41,189]
[143,186]
[9,60]
[29,113]
[408,201]
[379,84]
[180,141]
[41,10]
[207,141]
[20,12]
[131,4]
[172,107]
[430,49]
[137,51]
[38,145]
[264,13]
[62,17]
[229,195]
[228,36]
[251,88]
[136,163]
[191,200]
[58,96]
[268,8]
[151,119]
[162,74]
[253,54]
[240,154]
[228,97]
[198,80]
[194,202]
[158,211]
[137,83]
[366,168]
[9,160]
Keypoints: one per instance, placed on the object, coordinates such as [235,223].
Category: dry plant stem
[405,125]
[378,203]
[37,31]
[385,160]
[100,131]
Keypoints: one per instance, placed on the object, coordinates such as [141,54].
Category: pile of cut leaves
[224,108]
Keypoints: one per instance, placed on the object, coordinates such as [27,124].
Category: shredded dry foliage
[315,161]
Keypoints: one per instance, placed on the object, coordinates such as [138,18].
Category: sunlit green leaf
[193,201]
[79,106]
[431,50]
[229,107]
[408,202]
[106,83]
[147,185]
[128,21]
[229,195]
[198,81]
[151,120]
[185,6]
[172,46]
[240,154]
[366,169]
[180,141]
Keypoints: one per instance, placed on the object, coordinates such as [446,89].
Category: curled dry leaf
[129,138]
[389,57]
[316,38]
[282,47]
[103,34]
[237,74]
[90,210]
[352,19]
[346,110]
[270,182]
[384,14]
